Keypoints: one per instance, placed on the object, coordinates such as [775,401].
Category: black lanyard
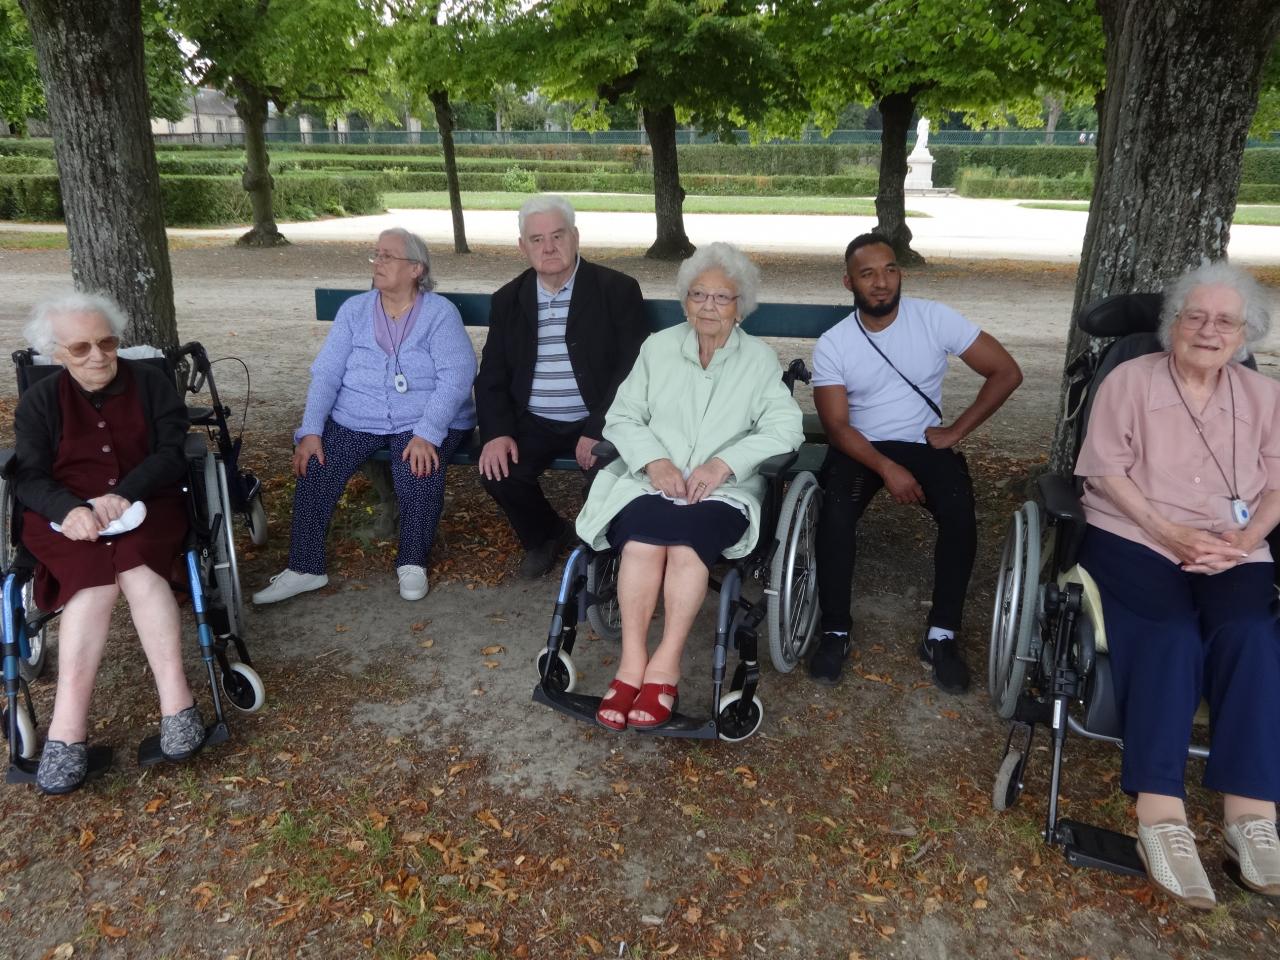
[923,396]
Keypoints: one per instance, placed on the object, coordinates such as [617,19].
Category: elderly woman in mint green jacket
[703,407]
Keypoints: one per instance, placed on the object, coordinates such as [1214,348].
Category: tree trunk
[251,108]
[891,211]
[668,196]
[1165,188]
[444,120]
[91,65]
[1054,106]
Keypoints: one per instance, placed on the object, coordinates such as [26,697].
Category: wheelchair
[216,488]
[1047,661]
[785,564]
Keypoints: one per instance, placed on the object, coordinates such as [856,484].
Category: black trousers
[848,487]
[539,441]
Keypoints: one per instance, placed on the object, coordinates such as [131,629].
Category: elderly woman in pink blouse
[1181,464]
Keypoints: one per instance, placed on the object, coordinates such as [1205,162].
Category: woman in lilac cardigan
[394,373]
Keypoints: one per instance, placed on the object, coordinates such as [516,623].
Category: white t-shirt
[881,404]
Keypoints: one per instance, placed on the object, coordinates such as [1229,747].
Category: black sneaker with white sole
[827,662]
[950,673]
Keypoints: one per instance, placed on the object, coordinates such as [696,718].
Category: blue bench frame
[806,321]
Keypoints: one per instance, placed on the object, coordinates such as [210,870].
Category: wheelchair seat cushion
[709,528]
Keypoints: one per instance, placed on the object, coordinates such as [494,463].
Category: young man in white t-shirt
[877,378]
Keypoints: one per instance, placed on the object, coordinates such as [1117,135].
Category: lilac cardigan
[352,378]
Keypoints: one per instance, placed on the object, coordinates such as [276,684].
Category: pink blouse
[1140,429]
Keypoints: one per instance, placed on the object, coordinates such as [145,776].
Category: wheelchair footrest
[583,707]
[149,752]
[1087,846]
[24,771]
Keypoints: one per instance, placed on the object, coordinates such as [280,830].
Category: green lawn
[32,240]
[643,203]
[1253,215]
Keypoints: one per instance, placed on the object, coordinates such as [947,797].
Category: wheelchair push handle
[796,370]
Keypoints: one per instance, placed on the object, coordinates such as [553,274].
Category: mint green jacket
[738,409]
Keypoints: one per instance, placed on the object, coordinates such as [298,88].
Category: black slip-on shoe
[827,663]
[950,672]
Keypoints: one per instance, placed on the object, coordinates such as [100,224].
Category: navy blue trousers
[421,499]
[1176,638]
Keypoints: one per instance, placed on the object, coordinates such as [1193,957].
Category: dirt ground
[400,796]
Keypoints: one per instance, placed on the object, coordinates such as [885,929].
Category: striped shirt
[555,393]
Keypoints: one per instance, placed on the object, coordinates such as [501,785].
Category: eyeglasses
[377,257]
[719,299]
[83,348]
[1222,323]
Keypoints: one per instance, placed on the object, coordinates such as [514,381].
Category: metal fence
[639,138]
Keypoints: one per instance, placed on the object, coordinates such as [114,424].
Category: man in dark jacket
[562,336]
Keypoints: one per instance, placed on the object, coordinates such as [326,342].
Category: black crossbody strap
[923,396]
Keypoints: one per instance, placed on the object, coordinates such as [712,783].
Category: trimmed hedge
[982,183]
[292,162]
[208,201]
[1259,193]
[11,146]
[1261,166]
[26,163]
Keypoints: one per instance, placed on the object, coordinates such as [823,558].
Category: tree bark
[896,110]
[251,108]
[1054,106]
[444,120]
[672,242]
[91,65]
[1182,87]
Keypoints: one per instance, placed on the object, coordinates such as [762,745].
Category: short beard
[872,310]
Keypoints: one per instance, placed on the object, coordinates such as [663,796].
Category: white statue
[922,133]
[920,161]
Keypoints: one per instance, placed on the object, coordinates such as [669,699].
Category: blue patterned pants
[421,499]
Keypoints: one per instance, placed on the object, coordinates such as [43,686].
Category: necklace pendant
[401,384]
[1240,512]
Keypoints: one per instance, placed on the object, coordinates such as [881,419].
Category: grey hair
[415,249]
[39,329]
[546,203]
[744,274]
[1257,320]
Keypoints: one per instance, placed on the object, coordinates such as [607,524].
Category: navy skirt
[709,528]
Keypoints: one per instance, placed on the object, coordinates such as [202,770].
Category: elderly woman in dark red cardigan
[101,437]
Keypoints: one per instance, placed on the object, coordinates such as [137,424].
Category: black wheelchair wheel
[39,642]
[792,593]
[604,614]
[243,687]
[27,741]
[564,675]
[1015,614]
[1008,783]
[739,719]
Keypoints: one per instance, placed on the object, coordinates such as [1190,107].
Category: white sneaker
[413,581]
[288,584]
[1252,843]
[1168,851]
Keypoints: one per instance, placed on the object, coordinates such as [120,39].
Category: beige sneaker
[1168,851]
[1251,842]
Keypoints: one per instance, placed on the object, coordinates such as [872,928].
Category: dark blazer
[604,330]
[37,425]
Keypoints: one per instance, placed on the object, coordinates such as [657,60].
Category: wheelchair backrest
[30,370]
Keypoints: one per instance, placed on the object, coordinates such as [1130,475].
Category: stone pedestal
[920,160]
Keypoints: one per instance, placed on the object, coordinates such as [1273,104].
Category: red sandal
[618,700]
[649,703]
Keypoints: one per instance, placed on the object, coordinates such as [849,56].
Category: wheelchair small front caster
[738,721]
[564,675]
[1008,784]
[257,520]
[27,742]
[243,687]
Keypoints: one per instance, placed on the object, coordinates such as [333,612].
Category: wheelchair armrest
[604,452]
[1060,499]
[775,467]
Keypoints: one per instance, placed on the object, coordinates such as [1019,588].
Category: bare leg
[684,588]
[639,580]
[155,616]
[1234,807]
[1156,808]
[82,636]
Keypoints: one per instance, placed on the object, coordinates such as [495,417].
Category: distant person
[394,374]
[562,336]
[1084,138]
[877,378]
